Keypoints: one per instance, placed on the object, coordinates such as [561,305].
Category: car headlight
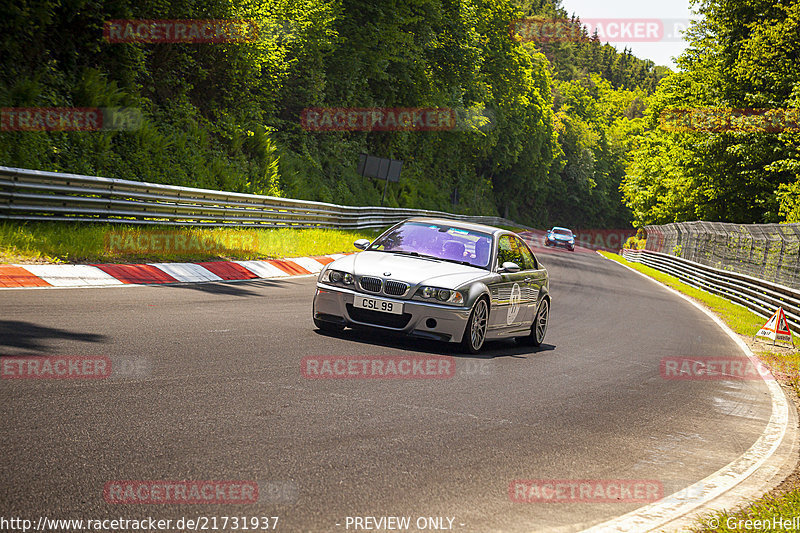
[445,296]
[428,292]
[337,277]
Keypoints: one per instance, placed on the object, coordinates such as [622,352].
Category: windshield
[560,231]
[438,241]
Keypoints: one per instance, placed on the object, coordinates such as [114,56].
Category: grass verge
[782,504]
[54,242]
[739,318]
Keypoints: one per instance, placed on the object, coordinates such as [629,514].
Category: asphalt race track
[216,393]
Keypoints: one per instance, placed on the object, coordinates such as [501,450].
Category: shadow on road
[238,288]
[28,336]
[491,350]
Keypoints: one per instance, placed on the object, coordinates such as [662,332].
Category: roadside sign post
[776,328]
[381,168]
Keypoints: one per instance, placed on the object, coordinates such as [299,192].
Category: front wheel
[475,332]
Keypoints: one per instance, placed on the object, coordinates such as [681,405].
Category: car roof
[559,227]
[459,224]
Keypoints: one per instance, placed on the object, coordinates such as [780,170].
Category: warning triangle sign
[776,328]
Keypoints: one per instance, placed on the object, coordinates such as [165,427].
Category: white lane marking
[78,276]
[655,515]
[72,275]
[187,272]
[262,269]
[306,262]
[137,285]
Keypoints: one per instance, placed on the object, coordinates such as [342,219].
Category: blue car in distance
[560,237]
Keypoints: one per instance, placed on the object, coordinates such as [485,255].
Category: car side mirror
[509,267]
[361,244]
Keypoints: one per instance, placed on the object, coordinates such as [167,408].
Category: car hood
[561,237]
[414,271]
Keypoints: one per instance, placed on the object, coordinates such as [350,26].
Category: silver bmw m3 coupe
[438,279]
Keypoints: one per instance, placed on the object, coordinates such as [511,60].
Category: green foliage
[743,54]
[595,124]
[57,242]
[638,241]
[227,115]
[789,197]
[579,58]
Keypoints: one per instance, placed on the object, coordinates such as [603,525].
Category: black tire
[475,331]
[571,248]
[328,327]
[539,326]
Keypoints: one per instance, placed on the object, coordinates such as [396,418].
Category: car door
[510,292]
[535,278]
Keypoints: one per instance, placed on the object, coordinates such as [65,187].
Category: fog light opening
[430,323]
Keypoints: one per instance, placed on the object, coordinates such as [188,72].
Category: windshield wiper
[460,262]
[412,254]
[426,256]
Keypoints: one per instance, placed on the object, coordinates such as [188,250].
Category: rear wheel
[475,332]
[539,327]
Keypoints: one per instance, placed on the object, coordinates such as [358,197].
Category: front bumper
[557,242]
[419,319]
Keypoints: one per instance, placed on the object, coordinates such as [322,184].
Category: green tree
[743,54]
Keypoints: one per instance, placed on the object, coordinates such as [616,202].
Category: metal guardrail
[766,251]
[38,195]
[760,296]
